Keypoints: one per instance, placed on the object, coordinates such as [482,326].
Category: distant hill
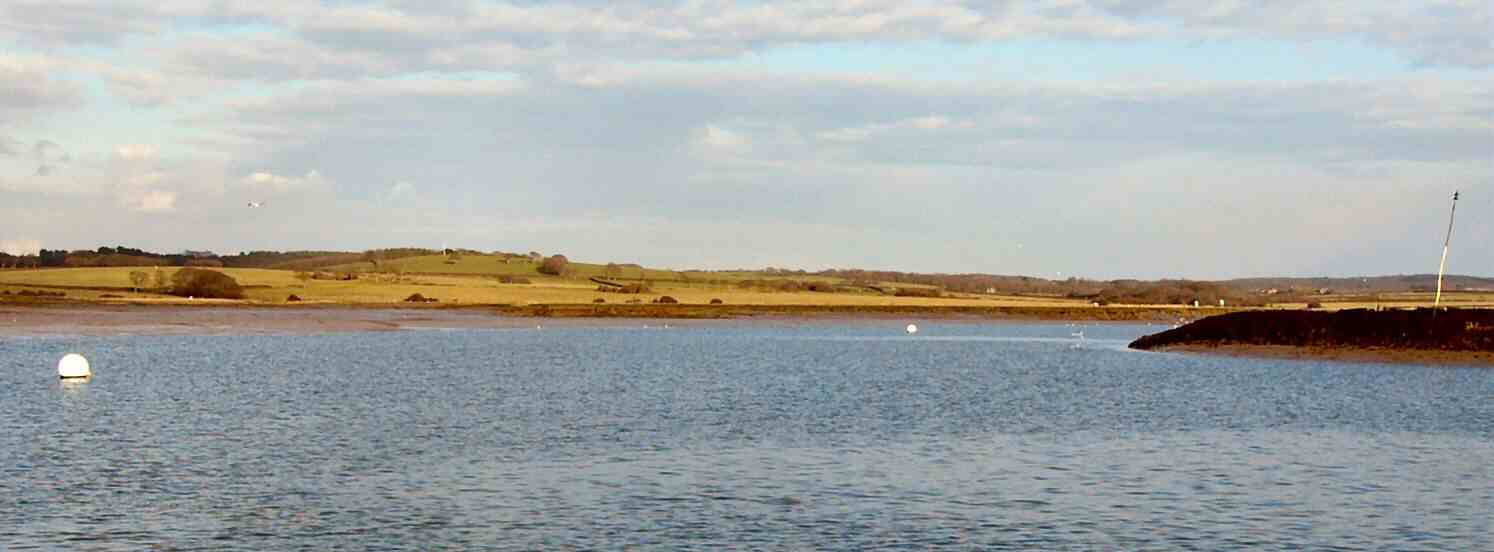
[1373,284]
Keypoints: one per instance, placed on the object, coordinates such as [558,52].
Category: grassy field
[481,286]
[273,286]
[492,265]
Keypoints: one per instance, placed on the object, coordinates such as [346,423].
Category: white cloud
[268,184]
[924,124]
[136,152]
[309,41]
[527,111]
[399,193]
[716,138]
[28,86]
[152,201]
[21,246]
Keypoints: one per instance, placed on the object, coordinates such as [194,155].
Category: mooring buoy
[73,366]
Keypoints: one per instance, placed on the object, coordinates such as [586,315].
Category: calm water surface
[738,436]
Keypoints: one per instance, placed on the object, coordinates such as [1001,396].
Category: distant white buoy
[73,365]
[912,329]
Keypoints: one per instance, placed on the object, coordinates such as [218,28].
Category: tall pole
[1437,301]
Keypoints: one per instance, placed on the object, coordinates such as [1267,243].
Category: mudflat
[1421,336]
[1346,354]
[86,319]
[89,318]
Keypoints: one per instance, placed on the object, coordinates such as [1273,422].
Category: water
[733,436]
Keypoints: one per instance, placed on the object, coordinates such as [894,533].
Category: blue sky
[1098,138]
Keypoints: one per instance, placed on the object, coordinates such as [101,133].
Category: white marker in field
[73,366]
[912,329]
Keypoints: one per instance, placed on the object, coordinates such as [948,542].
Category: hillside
[513,268]
[269,286]
[1368,284]
[494,265]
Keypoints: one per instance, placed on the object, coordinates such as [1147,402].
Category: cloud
[47,22]
[352,40]
[272,57]
[398,193]
[142,87]
[28,87]
[152,201]
[661,125]
[921,125]
[1438,32]
[264,184]
[21,246]
[48,155]
[714,138]
[136,152]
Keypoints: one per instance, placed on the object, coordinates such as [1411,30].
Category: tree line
[130,256]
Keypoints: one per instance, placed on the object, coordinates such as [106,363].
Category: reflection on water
[846,437]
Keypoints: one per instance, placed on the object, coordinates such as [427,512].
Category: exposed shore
[88,318]
[1391,356]
[1453,336]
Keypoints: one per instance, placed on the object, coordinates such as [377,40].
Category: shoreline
[1341,354]
[1421,336]
[225,318]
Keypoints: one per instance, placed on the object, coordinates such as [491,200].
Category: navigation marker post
[1437,300]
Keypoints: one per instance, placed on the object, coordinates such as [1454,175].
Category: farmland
[517,283]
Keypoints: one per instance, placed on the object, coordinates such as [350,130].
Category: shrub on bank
[634,288]
[418,298]
[197,282]
[554,265]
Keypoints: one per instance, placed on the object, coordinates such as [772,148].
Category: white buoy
[73,365]
[912,329]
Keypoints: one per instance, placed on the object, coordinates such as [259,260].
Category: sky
[1063,138]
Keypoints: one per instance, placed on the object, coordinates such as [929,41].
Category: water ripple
[967,437]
